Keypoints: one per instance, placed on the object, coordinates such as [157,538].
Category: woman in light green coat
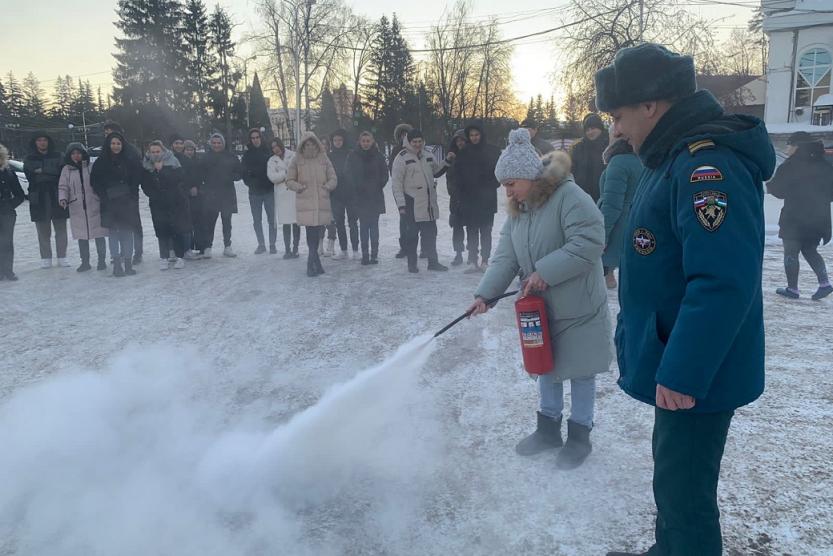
[554,237]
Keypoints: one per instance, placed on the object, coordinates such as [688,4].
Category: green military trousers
[688,448]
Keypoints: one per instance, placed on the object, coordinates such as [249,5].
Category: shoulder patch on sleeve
[403,152]
[710,208]
[706,173]
[412,161]
[700,145]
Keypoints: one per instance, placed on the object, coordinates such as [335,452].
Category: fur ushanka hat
[644,73]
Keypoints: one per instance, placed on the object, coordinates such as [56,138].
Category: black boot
[402,254]
[137,260]
[822,292]
[458,260]
[577,447]
[436,266]
[128,267]
[312,271]
[118,271]
[412,264]
[365,259]
[85,266]
[547,436]
[102,264]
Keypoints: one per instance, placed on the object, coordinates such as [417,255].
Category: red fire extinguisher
[534,329]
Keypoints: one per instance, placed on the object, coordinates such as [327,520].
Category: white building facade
[800,63]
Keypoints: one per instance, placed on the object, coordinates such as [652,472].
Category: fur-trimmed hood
[85,156]
[400,131]
[557,170]
[310,136]
[168,159]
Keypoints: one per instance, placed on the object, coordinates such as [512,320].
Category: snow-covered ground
[163,446]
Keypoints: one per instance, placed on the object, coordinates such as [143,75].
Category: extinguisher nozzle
[467,314]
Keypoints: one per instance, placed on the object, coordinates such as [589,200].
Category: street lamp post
[308,5]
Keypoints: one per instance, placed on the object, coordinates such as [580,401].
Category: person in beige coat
[311,175]
[554,238]
[415,191]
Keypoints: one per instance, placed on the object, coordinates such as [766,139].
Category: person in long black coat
[805,182]
[587,154]
[115,178]
[367,174]
[458,230]
[42,167]
[475,183]
[111,126]
[220,169]
[192,179]
[163,181]
[11,197]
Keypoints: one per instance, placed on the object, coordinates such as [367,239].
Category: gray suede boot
[576,449]
[546,437]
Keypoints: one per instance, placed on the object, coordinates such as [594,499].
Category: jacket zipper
[84,199]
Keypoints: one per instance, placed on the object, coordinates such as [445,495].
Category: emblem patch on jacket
[706,173]
[710,208]
[644,242]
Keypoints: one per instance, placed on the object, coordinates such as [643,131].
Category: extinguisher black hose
[467,314]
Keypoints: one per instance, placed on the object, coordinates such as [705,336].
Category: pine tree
[223,46]
[150,64]
[33,102]
[391,72]
[62,99]
[327,116]
[4,108]
[83,103]
[200,79]
[539,109]
[14,97]
[530,111]
[100,108]
[258,110]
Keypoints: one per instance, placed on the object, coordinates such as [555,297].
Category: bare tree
[469,67]
[741,53]
[304,42]
[610,25]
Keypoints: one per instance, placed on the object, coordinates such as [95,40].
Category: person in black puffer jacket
[164,184]
[343,200]
[458,230]
[368,174]
[587,155]
[115,178]
[219,169]
[261,191]
[475,183]
[11,197]
[805,182]
[185,152]
[42,167]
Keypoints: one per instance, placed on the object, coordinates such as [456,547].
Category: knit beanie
[218,136]
[644,73]
[190,144]
[592,120]
[519,160]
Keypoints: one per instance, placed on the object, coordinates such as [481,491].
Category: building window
[813,79]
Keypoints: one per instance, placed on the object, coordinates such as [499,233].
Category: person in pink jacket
[76,193]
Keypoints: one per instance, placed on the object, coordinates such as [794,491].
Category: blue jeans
[582,396]
[121,244]
[258,202]
[369,231]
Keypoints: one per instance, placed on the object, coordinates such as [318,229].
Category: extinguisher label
[532,335]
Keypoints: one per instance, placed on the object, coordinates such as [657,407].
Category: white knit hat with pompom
[519,160]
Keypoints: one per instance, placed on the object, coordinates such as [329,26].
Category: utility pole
[641,20]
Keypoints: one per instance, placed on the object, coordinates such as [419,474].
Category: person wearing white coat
[284,198]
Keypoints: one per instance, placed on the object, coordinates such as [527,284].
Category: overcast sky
[48,37]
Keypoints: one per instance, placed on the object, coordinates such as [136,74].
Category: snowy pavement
[231,345]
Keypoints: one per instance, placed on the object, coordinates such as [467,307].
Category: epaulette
[403,152]
[700,145]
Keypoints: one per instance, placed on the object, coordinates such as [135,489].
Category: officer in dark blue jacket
[690,336]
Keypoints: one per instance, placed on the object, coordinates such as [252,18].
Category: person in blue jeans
[553,238]
[261,191]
